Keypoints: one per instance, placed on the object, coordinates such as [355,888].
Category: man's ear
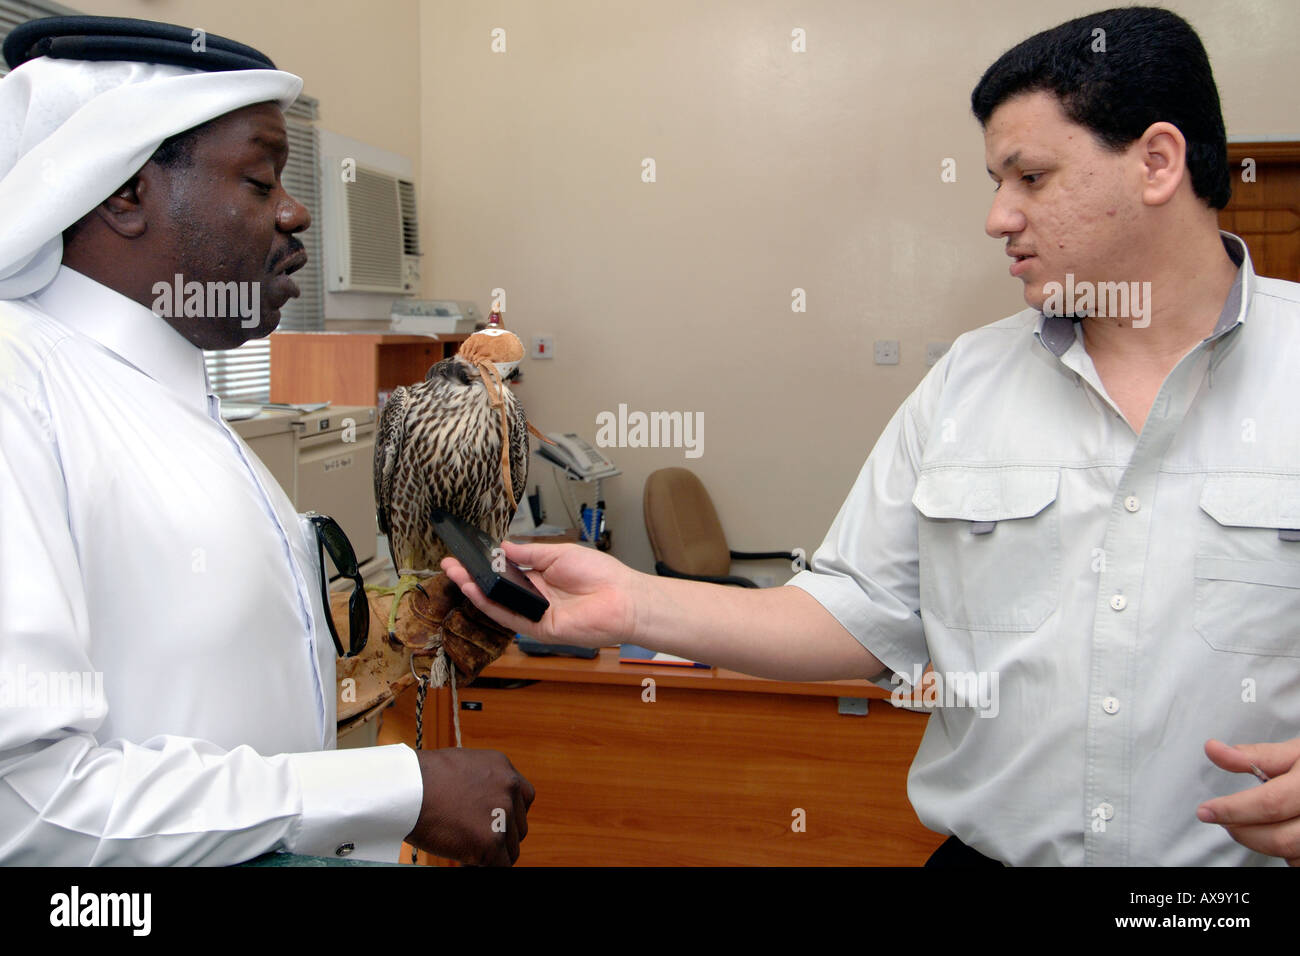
[1162,150]
[123,212]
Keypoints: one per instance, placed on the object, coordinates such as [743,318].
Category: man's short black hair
[178,151]
[1146,66]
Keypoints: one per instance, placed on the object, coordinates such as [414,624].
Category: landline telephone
[576,457]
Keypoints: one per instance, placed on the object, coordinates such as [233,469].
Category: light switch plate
[886,351]
[543,347]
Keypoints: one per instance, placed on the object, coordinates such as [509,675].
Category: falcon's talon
[405,584]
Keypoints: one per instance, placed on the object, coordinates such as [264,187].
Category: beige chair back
[683,526]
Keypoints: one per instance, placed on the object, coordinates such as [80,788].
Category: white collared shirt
[1097,603]
[166,693]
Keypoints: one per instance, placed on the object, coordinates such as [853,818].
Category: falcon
[456,441]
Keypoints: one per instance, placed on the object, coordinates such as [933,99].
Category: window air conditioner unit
[372,237]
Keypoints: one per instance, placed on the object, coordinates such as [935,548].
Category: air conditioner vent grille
[374,219]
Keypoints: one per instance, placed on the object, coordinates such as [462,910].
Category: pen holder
[593,521]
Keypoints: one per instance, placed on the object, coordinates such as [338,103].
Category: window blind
[14,12]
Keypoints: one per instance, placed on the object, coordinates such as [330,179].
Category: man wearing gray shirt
[1088,509]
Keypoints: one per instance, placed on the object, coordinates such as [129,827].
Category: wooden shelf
[350,367]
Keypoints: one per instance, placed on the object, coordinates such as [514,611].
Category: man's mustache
[295,245]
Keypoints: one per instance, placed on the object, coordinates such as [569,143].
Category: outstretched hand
[1264,817]
[592,595]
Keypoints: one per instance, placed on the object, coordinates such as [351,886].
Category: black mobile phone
[500,579]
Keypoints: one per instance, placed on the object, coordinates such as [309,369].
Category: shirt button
[345,849]
[1105,811]
[1118,602]
[1111,706]
[1131,503]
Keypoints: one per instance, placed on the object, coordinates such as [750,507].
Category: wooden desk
[712,772]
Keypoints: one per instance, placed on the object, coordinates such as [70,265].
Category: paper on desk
[634,654]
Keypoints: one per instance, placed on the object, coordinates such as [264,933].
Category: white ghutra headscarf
[73,131]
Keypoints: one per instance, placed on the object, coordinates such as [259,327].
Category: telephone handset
[575,456]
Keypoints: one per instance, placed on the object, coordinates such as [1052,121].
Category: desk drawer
[698,777]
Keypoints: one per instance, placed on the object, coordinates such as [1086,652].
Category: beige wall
[361,60]
[775,170]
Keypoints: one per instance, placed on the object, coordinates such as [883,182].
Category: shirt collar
[1057,332]
[130,331]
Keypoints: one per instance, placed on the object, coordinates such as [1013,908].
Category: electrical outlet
[543,346]
[935,350]
[886,351]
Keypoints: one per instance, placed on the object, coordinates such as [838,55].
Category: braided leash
[421,691]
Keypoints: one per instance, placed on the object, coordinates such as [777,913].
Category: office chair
[685,533]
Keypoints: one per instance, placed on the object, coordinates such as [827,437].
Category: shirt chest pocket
[1247,564]
[989,546]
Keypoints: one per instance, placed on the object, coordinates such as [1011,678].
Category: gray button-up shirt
[1096,604]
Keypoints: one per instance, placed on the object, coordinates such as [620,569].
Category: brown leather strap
[492,382]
